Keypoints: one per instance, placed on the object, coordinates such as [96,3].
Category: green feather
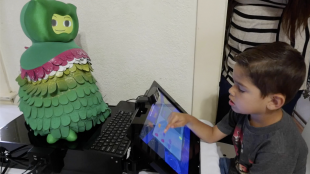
[27,111]
[30,89]
[79,78]
[56,133]
[65,120]
[63,99]
[94,112]
[40,112]
[82,114]
[33,91]
[90,101]
[89,114]
[93,89]
[74,127]
[64,131]
[76,104]
[39,124]
[38,91]
[95,100]
[82,129]
[62,85]
[26,97]
[58,110]
[87,91]
[74,117]
[72,96]
[38,102]
[31,101]
[107,113]
[52,87]
[103,107]
[47,102]
[71,82]
[80,92]
[55,101]
[83,101]
[33,123]
[88,125]
[81,124]
[34,112]
[43,89]
[20,81]
[99,97]
[55,122]
[21,93]
[68,108]
[48,112]
[98,109]
[46,124]
[102,118]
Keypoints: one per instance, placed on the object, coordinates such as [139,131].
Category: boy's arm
[205,132]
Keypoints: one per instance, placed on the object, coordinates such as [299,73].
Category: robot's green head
[49,21]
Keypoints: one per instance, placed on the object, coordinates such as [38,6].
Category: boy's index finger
[167,128]
[170,121]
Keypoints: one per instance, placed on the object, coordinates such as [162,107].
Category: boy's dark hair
[274,68]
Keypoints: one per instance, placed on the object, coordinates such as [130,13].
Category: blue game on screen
[173,146]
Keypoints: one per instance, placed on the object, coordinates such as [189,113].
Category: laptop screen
[172,146]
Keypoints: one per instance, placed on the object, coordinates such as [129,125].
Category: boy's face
[245,97]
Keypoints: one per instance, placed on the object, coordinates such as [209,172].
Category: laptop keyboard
[113,140]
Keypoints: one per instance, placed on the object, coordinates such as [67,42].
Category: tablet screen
[172,146]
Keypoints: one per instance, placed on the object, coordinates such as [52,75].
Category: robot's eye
[67,23]
[54,23]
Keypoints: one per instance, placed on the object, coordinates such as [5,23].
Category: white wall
[131,43]
[211,20]
[4,87]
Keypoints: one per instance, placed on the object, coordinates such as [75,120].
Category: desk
[209,155]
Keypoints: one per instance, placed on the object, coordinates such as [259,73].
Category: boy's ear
[276,101]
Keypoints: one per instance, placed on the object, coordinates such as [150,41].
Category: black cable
[17,149]
[27,169]
[146,170]
[6,167]
[130,99]
[23,154]
[139,96]
[20,159]
[35,167]
[135,98]
[22,164]
[1,164]
[13,159]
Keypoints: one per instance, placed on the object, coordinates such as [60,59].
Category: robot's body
[58,94]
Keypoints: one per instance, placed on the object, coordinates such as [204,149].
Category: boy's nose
[231,90]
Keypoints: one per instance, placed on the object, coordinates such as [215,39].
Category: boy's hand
[177,120]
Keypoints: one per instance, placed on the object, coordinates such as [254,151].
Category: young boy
[265,138]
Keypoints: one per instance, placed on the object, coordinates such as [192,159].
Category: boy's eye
[241,90]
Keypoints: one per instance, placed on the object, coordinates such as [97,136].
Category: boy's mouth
[231,103]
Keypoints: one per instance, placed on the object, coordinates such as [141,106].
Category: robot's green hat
[36,20]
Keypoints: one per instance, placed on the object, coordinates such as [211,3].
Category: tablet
[178,148]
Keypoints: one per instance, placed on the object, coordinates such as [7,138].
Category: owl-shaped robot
[58,94]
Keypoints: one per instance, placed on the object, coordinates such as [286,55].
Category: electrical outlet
[6,99]
[8,96]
